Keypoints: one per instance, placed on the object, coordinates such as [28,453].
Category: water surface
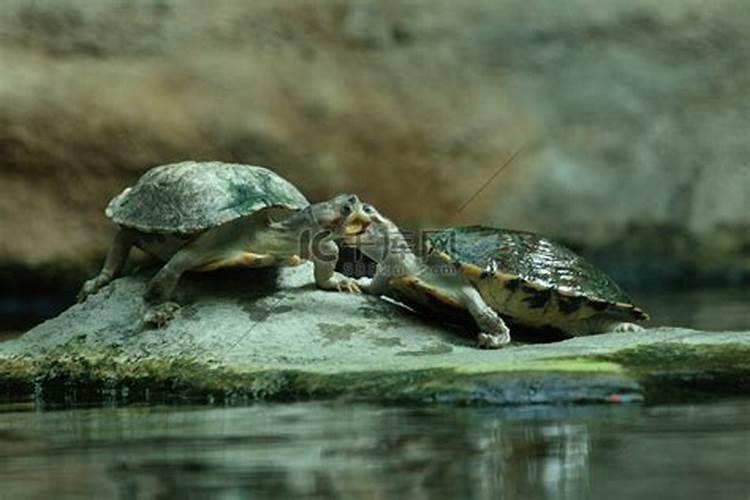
[318,451]
[710,309]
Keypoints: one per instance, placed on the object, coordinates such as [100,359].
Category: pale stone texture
[293,341]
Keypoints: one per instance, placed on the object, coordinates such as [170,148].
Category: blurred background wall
[632,117]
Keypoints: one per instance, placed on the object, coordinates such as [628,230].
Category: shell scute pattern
[189,197]
[526,260]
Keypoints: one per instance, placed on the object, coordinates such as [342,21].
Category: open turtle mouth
[357,226]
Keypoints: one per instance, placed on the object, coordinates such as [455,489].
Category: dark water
[363,452]
[701,309]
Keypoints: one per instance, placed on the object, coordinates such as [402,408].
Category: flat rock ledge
[244,336]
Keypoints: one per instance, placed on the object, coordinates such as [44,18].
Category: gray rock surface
[239,338]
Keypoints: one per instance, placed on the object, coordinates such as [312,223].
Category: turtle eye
[352,200]
[368,209]
[346,210]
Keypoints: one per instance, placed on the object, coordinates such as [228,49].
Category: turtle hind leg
[218,247]
[113,265]
[494,333]
[159,315]
[159,308]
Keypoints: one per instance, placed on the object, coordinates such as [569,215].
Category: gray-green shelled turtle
[201,216]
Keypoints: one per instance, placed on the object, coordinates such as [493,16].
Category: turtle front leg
[113,264]
[494,333]
[324,259]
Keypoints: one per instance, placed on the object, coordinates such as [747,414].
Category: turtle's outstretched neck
[427,279]
[390,249]
[399,255]
[294,234]
[294,224]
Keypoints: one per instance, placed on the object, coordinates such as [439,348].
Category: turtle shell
[189,197]
[532,279]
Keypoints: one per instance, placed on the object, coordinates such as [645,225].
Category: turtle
[202,216]
[492,273]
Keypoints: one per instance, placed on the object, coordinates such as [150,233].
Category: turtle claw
[159,316]
[89,288]
[341,283]
[86,290]
[494,333]
[626,328]
[487,341]
[349,286]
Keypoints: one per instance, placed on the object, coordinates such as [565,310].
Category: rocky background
[631,118]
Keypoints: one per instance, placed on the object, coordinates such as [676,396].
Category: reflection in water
[565,471]
[363,452]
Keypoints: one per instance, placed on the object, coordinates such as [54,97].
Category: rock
[241,337]
[633,114]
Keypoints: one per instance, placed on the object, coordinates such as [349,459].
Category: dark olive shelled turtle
[493,273]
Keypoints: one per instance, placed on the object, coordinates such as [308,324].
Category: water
[318,451]
[702,309]
[355,452]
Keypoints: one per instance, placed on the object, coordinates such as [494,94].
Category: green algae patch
[676,372]
[553,365]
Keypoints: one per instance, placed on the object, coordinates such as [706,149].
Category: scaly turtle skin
[527,279]
[201,216]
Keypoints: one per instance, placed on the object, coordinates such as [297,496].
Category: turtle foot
[156,292]
[90,288]
[487,341]
[494,333]
[349,286]
[159,316]
[341,283]
[626,328]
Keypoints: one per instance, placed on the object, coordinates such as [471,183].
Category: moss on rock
[673,371]
[77,379]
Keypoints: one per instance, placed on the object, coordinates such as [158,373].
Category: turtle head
[377,238]
[342,216]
